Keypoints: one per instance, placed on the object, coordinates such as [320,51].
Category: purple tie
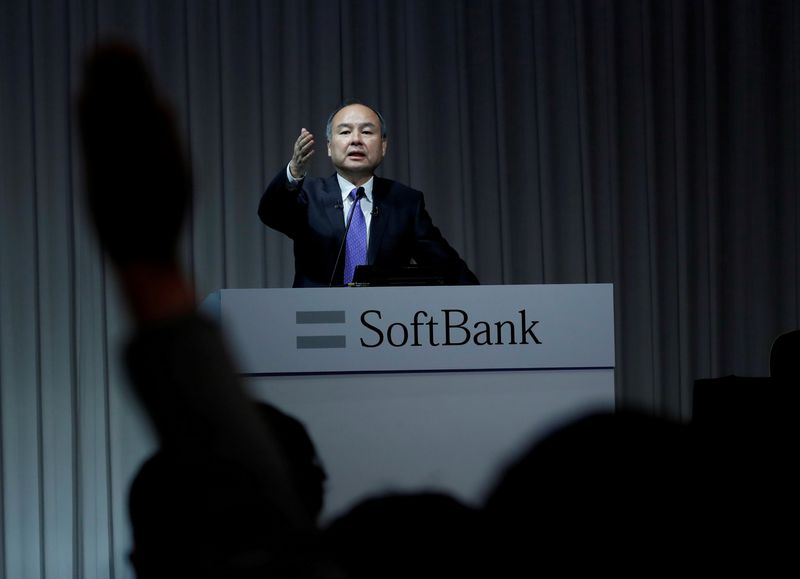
[356,250]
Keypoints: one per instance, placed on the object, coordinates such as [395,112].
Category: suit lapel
[333,205]
[377,226]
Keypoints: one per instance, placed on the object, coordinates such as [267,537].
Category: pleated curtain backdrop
[652,144]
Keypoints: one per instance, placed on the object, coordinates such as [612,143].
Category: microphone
[359,195]
[338,205]
[374,211]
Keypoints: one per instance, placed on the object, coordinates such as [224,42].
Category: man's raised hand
[301,157]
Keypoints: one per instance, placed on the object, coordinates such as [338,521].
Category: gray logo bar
[309,342]
[321,317]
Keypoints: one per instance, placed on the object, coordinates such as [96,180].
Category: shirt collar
[346,186]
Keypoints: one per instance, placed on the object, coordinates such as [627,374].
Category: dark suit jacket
[311,215]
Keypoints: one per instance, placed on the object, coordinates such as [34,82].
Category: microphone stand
[359,195]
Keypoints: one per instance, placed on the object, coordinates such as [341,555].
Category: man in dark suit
[390,225]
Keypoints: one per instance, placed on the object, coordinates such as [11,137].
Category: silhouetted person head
[419,535]
[200,517]
[305,468]
[591,488]
[784,358]
[196,512]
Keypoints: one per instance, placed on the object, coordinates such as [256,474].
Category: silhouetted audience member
[604,493]
[416,535]
[178,504]
[746,431]
[229,507]
[306,471]
[784,358]
[199,514]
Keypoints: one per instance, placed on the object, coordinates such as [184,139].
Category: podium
[405,389]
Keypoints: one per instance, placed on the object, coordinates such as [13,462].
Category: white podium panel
[440,387]
[289,331]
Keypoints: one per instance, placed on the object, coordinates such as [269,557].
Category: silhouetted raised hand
[138,179]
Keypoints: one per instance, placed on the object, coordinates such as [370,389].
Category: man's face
[356,147]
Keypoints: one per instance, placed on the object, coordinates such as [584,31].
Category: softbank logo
[448,327]
[321,317]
